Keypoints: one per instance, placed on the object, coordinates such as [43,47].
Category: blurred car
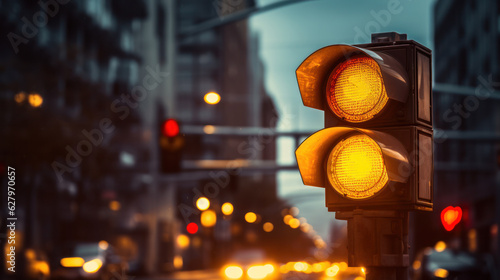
[451,264]
[249,264]
[89,261]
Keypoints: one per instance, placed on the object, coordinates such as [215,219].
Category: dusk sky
[289,34]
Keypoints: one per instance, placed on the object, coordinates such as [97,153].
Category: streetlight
[250,217]
[227,208]
[202,203]
[212,98]
[208,218]
[268,227]
[35,100]
[183,241]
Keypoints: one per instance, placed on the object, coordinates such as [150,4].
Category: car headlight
[92,266]
[72,262]
[257,272]
[233,272]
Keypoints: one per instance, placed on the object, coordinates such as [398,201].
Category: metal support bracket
[378,241]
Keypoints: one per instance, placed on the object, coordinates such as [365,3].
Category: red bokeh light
[450,217]
[170,128]
[192,228]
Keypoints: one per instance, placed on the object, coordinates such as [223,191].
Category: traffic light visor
[357,82]
[355,90]
[356,168]
[357,162]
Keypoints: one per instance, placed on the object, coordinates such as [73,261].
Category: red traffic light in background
[192,228]
[450,217]
[171,143]
[170,128]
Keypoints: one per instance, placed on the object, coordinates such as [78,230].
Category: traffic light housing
[376,149]
[171,143]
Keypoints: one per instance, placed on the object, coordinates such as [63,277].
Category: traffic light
[192,228]
[450,217]
[171,145]
[375,151]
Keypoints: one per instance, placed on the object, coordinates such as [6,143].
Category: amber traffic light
[376,149]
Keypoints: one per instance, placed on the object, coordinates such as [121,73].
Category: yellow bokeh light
[233,272]
[299,266]
[416,265]
[72,262]
[115,205]
[343,266]
[317,267]
[356,90]
[356,167]
[183,241]
[35,99]
[178,262]
[212,98]
[270,268]
[202,203]
[305,227]
[92,266]
[287,219]
[103,245]
[441,273]
[359,278]
[332,270]
[250,217]
[20,97]
[294,223]
[440,246]
[268,227]
[30,254]
[227,208]
[209,129]
[208,218]
[283,269]
[472,236]
[290,266]
[257,272]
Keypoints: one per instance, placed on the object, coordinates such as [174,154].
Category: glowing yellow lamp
[202,203]
[233,272]
[250,217]
[212,98]
[227,208]
[208,218]
[92,266]
[356,168]
[72,262]
[355,90]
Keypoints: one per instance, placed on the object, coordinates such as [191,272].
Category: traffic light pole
[378,241]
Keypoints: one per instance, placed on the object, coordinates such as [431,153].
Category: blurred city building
[224,59]
[466,118]
[80,87]
[84,89]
